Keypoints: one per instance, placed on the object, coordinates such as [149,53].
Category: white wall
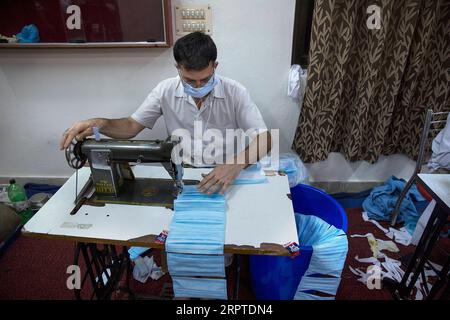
[43,91]
[336,168]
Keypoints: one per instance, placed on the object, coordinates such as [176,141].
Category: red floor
[33,268]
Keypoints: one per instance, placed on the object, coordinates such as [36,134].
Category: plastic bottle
[18,198]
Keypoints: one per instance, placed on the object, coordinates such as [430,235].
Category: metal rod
[237,277]
[442,279]
[76,186]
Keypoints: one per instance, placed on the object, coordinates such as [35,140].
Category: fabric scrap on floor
[377,245]
[145,268]
[401,236]
[380,204]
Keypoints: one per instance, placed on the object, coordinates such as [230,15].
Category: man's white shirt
[229,106]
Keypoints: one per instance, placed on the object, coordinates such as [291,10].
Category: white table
[260,217]
[438,185]
[260,220]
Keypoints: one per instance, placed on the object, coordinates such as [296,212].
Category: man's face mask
[202,91]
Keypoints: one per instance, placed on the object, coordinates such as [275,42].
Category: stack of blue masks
[198,206]
[194,245]
[330,247]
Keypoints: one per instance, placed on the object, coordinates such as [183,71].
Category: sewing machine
[112,179]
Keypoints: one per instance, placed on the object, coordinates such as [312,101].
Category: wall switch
[193,18]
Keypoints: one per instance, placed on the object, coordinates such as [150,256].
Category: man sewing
[197,94]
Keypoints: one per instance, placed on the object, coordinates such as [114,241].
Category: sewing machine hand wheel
[75,158]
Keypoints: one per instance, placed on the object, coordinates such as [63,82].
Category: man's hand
[79,130]
[124,128]
[220,178]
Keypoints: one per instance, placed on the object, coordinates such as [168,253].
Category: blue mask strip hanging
[200,287]
[329,258]
[196,265]
[330,247]
[308,296]
[324,285]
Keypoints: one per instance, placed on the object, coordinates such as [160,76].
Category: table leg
[426,243]
[237,277]
[97,263]
[443,279]
[164,267]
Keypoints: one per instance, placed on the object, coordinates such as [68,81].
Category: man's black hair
[195,51]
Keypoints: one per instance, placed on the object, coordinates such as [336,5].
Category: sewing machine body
[112,179]
[109,161]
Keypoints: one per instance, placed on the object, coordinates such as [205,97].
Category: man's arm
[223,175]
[124,128]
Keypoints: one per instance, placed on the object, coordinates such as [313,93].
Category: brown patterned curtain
[368,89]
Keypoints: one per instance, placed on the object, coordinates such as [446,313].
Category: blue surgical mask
[200,287]
[196,265]
[202,91]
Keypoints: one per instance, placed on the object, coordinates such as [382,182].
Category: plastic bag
[296,82]
[28,34]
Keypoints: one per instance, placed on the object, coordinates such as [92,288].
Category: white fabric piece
[440,157]
[297,82]
[435,265]
[294,81]
[366,218]
[371,260]
[145,268]
[422,223]
[391,268]
[419,295]
[401,236]
[386,245]
[362,235]
[361,274]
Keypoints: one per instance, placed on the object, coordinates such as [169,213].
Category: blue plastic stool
[277,278]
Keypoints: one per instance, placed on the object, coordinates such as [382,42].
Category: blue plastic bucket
[277,278]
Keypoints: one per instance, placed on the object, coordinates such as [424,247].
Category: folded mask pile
[194,245]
